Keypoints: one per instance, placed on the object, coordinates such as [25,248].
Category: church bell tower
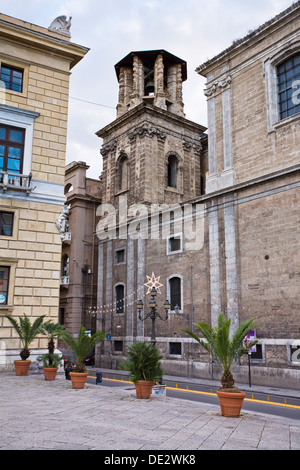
[151,151]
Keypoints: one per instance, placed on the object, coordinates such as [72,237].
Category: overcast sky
[194,30]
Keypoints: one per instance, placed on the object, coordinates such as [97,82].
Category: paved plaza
[40,415]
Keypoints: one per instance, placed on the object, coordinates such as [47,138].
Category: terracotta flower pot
[231,403]
[78,379]
[50,373]
[21,367]
[143,388]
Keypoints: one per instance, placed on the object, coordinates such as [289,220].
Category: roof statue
[61,25]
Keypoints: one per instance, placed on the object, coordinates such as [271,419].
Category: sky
[193,30]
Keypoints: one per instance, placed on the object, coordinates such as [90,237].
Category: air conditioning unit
[64,281]
[66,237]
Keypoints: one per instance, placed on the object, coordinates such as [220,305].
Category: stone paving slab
[40,415]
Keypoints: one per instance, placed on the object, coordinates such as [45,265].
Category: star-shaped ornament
[153,282]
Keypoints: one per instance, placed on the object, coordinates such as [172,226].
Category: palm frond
[83,344]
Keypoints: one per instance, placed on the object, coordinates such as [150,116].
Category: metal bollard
[98,378]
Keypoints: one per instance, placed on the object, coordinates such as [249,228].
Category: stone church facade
[213,213]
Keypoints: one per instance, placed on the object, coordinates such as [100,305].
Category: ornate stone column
[160,95]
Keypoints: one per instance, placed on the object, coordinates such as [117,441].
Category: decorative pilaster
[231,265]
[227,178]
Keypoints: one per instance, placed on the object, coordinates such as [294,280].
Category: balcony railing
[15,181]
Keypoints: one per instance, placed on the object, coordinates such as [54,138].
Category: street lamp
[153,314]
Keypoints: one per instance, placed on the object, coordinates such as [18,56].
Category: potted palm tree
[225,348]
[81,346]
[144,366]
[27,332]
[51,361]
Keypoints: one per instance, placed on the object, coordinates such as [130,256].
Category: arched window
[65,265]
[68,188]
[172,171]
[123,173]
[175,295]
[288,76]
[119,298]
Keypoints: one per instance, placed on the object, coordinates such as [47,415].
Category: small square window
[175,349]
[174,244]
[6,224]
[12,78]
[120,256]
[118,346]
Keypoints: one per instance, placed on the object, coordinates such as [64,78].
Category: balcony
[10,181]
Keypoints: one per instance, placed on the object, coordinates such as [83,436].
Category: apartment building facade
[35,68]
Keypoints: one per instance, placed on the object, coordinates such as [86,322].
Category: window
[172,171]
[175,292]
[288,75]
[6,224]
[4,280]
[119,298]
[65,266]
[295,354]
[123,173]
[258,354]
[174,244]
[120,256]
[12,78]
[118,346]
[11,150]
[62,316]
[175,349]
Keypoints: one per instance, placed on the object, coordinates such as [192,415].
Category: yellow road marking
[209,393]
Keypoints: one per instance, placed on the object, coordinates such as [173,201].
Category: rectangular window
[11,150]
[118,346]
[120,299]
[4,281]
[6,224]
[175,349]
[295,354]
[120,256]
[174,244]
[288,75]
[257,355]
[12,78]
[175,292]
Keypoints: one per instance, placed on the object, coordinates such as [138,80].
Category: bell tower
[154,77]
[151,151]
[153,157]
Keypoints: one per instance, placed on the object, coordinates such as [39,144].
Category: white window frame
[115,299]
[175,252]
[24,119]
[181,291]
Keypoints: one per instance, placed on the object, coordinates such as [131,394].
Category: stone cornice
[40,38]
[143,108]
